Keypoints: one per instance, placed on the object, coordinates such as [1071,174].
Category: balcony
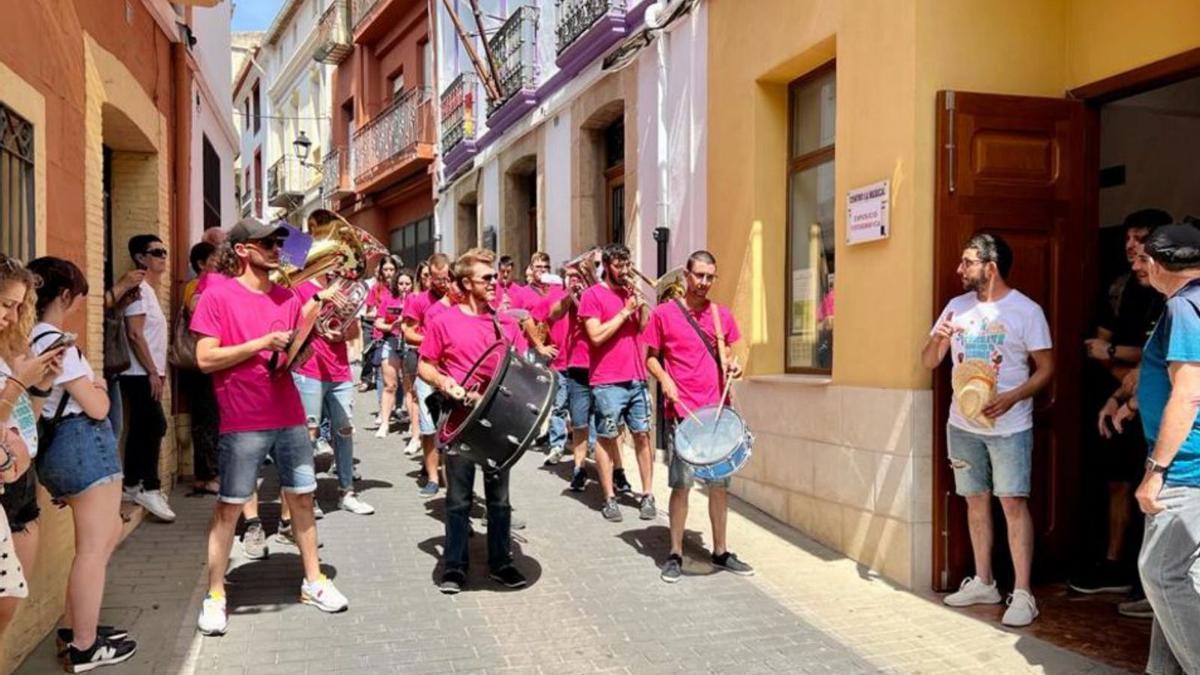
[361,10]
[458,120]
[586,29]
[395,142]
[336,178]
[287,182]
[515,48]
[247,204]
[333,34]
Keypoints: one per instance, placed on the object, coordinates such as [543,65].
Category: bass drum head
[478,380]
[718,432]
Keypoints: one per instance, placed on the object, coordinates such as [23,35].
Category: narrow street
[594,603]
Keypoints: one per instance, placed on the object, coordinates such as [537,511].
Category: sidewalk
[594,603]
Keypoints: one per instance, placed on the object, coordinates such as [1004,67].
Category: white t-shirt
[75,366]
[156,330]
[995,342]
[22,419]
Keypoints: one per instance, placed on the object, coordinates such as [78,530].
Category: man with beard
[993,332]
[1125,324]
[452,343]
[242,325]
[419,313]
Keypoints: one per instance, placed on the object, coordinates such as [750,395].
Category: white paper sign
[867,213]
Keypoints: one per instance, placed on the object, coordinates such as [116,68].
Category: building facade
[103,141]
[980,116]
[567,125]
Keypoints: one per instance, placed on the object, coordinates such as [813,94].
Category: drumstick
[688,411]
[724,394]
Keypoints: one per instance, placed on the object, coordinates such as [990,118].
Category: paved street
[594,603]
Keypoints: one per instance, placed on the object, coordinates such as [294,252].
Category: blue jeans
[1169,564]
[625,403]
[333,401]
[243,452]
[116,413]
[997,464]
[460,492]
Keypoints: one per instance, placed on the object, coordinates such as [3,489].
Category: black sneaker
[730,563]
[1104,577]
[64,635]
[452,582]
[620,483]
[673,570]
[102,653]
[579,480]
[509,577]
[610,511]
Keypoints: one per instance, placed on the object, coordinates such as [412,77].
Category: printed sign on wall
[867,213]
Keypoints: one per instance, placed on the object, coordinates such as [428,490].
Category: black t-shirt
[1137,310]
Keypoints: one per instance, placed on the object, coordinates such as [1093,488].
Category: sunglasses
[487,278]
[268,243]
[157,252]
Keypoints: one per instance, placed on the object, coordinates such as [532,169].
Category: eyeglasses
[703,277]
[268,243]
[487,278]
[157,252]
[968,262]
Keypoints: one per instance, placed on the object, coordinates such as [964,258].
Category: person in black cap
[241,324]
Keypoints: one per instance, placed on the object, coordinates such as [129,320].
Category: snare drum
[717,445]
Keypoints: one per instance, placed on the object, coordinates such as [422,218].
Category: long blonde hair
[14,340]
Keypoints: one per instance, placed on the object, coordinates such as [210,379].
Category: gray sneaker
[286,535]
[647,510]
[429,489]
[1137,609]
[610,511]
[673,570]
[729,562]
[254,542]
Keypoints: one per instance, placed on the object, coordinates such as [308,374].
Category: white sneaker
[129,494]
[350,502]
[413,447]
[324,449]
[973,592]
[156,504]
[1022,609]
[319,514]
[381,432]
[555,456]
[323,595]
[213,619]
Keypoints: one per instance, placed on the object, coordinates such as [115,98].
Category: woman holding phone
[388,310]
[79,466]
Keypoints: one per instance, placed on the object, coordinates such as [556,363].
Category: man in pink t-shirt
[613,314]
[517,301]
[452,343]
[691,374]
[243,326]
[419,312]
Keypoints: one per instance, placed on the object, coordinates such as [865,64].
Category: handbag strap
[66,395]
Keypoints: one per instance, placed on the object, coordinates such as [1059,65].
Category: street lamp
[302,145]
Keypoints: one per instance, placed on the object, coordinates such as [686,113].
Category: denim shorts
[391,348]
[625,403]
[997,464]
[578,396]
[332,400]
[81,456]
[679,473]
[243,452]
[424,419]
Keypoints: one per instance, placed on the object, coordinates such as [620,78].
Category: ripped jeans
[334,400]
[984,463]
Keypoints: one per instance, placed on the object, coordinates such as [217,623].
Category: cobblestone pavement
[594,602]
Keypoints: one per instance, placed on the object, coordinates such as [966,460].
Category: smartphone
[64,340]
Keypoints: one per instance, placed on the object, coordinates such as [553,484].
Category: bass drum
[515,398]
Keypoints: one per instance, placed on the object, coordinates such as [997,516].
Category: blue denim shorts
[332,400]
[243,452]
[82,455]
[424,419]
[578,396]
[997,464]
[625,403]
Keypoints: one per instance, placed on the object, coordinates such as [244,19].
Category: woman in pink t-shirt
[388,310]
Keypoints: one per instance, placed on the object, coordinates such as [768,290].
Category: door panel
[1015,166]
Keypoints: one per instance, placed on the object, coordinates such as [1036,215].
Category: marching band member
[573,399]
[453,341]
[419,312]
[613,316]
[682,339]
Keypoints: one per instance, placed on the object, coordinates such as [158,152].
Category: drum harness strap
[717,352]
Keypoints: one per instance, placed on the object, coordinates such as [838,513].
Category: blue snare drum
[716,444]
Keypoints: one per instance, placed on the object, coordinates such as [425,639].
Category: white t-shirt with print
[75,366]
[22,420]
[999,335]
[156,331]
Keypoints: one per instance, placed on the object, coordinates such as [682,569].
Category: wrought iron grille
[515,49]
[392,134]
[458,110]
[575,17]
[18,234]
[333,34]
[287,176]
[335,172]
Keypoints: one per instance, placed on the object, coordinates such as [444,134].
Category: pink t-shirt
[330,361]
[250,397]
[566,333]
[389,308]
[454,340]
[423,307]
[622,357]
[685,358]
[515,296]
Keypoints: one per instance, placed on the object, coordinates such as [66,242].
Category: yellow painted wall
[892,59]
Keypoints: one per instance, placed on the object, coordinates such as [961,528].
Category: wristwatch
[1154,467]
[1112,351]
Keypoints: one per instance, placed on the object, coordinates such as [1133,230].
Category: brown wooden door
[1016,166]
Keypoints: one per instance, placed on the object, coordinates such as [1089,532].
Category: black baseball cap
[1178,244]
[250,229]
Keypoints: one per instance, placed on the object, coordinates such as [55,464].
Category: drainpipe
[662,232]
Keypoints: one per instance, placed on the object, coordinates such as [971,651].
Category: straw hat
[974,385]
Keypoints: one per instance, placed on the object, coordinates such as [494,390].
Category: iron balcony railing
[287,181]
[247,204]
[392,135]
[336,179]
[515,49]
[575,17]
[458,110]
[333,34]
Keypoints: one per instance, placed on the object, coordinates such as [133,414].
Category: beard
[974,284]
